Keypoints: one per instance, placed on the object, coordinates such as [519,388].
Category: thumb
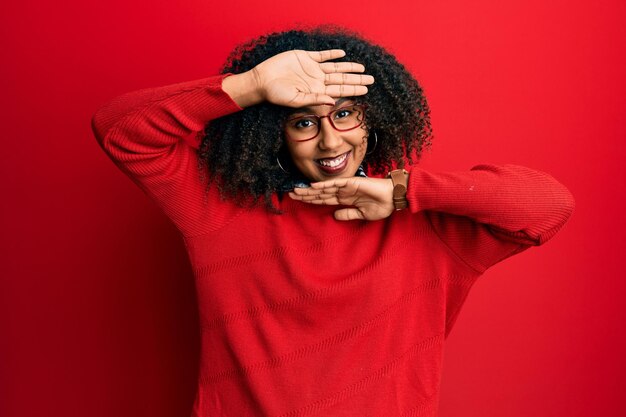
[349,214]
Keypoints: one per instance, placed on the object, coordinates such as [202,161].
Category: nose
[329,138]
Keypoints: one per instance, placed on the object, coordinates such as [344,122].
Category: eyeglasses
[307,127]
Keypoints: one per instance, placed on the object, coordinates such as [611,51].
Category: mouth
[333,166]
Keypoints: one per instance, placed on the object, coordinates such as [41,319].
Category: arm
[143,131]
[483,215]
[490,212]
[517,203]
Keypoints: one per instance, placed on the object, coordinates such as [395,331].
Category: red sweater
[303,315]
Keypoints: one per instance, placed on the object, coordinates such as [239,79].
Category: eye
[342,113]
[303,123]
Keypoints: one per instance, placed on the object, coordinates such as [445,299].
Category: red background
[97,307]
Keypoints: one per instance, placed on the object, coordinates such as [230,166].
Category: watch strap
[399,179]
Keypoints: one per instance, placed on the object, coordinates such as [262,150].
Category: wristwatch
[399,178]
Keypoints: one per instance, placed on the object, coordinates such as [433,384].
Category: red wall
[97,313]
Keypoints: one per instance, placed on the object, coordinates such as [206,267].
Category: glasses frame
[362,108]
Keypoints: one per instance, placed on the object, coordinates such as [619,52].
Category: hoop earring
[281,166]
[375,144]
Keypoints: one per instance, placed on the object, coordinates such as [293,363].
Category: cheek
[361,148]
[298,152]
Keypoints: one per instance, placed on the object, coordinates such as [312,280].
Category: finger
[324,202]
[330,67]
[328,184]
[321,56]
[325,187]
[321,192]
[295,196]
[305,191]
[327,190]
[300,191]
[328,200]
[349,214]
[311,195]
[331,198]
[345,90]
[308,194]
[348,79]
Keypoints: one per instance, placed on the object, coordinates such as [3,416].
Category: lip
[336,170]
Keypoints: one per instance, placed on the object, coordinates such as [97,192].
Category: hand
[302,78]
[370,198]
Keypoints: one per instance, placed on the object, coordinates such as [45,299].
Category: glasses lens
[302,128]
[348,117]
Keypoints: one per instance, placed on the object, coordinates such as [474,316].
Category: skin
[300,79]
[328,144]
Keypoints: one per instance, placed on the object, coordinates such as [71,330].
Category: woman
[302,311]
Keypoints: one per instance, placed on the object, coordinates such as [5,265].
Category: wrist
[243,88]
[400,180]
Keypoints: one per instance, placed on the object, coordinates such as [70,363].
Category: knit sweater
[303,315]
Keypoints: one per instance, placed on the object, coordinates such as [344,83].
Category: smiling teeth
[333,162]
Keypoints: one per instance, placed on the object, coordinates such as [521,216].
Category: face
[332,153]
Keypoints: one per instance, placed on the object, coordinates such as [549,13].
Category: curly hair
[240,150]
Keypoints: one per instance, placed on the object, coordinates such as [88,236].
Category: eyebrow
[309,110]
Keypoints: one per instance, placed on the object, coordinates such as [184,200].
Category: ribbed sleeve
[143,132]
[490,212]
